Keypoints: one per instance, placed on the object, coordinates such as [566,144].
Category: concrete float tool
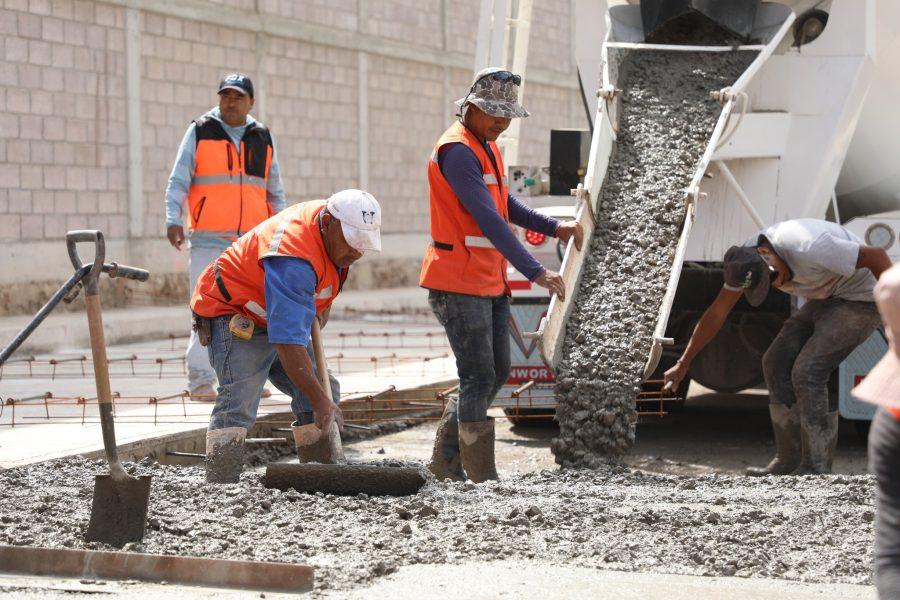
[322,466]
[119,509]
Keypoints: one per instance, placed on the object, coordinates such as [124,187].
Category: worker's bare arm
[298,366]
[874,259]
[707,328]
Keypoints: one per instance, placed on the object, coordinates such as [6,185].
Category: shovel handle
[321,365]
[91,288]
[101,378]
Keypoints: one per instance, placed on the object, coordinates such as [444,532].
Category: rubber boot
[445,461]
[225,454]
[819,438]
[786,427]
[314,445]
[476,448]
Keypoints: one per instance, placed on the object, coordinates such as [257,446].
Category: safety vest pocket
[196,217]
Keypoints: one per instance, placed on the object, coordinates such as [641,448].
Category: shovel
[119,509]
[313,444]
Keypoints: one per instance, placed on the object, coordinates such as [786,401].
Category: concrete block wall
[95,96]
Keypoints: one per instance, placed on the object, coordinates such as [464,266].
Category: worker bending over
[882,387]
[834,273]
[256,302]
[465,266]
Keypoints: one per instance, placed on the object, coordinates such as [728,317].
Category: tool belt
[201,326]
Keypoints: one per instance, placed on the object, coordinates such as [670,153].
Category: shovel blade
[119,510]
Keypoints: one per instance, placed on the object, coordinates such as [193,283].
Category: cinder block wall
[95,97]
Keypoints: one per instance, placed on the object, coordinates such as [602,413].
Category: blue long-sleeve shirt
[290,285]
[183,173]
[462,170]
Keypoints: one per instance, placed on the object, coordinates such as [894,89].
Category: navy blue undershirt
[462,170]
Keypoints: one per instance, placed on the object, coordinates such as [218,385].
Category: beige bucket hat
[882,385]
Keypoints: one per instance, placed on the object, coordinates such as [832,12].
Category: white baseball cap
[360,217]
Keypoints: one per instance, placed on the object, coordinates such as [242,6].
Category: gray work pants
[200,372]
[810,346]
[884,463]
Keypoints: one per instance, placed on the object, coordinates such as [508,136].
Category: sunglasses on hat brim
[502,76]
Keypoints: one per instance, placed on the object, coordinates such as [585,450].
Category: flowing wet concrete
[665,124]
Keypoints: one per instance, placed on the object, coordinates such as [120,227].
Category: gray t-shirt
[822,257]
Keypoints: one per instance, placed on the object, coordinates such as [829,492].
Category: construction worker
[465,266]
[255,303]
[227,171]
[882,388]
[833,273]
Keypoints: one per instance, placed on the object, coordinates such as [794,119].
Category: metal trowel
[119,509]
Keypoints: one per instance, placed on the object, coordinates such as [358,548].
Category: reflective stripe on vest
[248,180]
[256,309]
[477,241]
[241,272]
[460,259]
[491,179]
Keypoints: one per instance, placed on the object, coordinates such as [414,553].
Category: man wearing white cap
[882,387]
[254,308]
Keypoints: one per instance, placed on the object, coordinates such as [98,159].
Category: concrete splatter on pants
[884,463]
[243,367]
[478,330]
[200,372]
[810,346]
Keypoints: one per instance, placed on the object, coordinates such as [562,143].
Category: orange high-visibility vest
[228,192]
[895,412]
[235,282]
[460,258]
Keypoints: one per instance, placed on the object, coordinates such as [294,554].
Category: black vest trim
[257,140]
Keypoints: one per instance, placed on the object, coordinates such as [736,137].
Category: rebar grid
[358,407]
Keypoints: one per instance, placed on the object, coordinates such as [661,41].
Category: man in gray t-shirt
[822,258]
[834,272]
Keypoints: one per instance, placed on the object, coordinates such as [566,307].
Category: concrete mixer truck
[808,130]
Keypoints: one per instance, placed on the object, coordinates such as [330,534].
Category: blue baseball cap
[237,81]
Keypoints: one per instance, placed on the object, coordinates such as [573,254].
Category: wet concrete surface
[811,529]
[666,119]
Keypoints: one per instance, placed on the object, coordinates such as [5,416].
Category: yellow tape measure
[241,327]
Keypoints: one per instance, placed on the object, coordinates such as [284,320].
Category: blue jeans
[242,367]
[478,330]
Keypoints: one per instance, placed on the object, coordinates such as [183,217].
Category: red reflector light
[534,238]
